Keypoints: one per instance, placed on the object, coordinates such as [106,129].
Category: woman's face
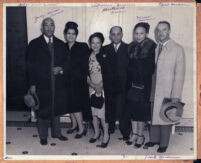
[96,44]
[71,35]
[140,34]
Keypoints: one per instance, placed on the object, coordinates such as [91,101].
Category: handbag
[97,101]
[136,93]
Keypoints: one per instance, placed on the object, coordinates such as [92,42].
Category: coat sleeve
[179,74]
[30,64]
[65,61]
[148,64]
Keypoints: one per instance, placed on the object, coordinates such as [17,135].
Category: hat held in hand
[171,112]
[31,100]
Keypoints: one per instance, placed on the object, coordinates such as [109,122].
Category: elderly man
[169,80]
[46,66]
[118,50]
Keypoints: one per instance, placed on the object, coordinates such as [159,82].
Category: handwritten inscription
[36,4]
[158,157]
[163,4]
[48,14]
[113,8]
[145,18]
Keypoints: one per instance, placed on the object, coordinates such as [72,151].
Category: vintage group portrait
[100,81]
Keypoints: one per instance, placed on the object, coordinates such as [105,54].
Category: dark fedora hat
[171,112]
[31,100]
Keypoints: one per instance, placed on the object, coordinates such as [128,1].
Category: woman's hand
[98,90]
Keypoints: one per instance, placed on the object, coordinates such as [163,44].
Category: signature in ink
[101,5]
[156,157]
[114,9]
[48,14]
[163,4]
[145,18]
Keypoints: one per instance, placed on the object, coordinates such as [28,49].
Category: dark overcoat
[77,79]
[141,65]
[106,63]
[39,71]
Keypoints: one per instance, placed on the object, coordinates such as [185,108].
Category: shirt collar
[117,45]
[164,42]
[47,39]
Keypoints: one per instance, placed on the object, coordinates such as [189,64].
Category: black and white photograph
[99,81]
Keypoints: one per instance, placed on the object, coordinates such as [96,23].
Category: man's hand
[175,100]
[32,89]
[57,70]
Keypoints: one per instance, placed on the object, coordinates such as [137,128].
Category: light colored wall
[94,19]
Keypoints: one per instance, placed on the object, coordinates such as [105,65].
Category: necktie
[115,48]
[51,47]
[160,48]
[51,50]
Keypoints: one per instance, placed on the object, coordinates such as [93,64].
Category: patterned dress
[96,77]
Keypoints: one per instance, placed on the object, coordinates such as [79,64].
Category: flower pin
[104,55]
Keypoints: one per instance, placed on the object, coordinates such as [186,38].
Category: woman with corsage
[140,69]
[101,89]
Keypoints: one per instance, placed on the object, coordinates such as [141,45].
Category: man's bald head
[116,28]
[48,27]
[116,34]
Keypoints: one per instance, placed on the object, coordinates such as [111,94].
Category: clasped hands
[97,87]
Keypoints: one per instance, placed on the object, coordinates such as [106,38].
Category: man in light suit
[169,79]
[119,52]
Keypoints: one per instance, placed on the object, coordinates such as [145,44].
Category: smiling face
[140,34]
[163,32]
[71,35]
[96,44]
[116,35]
[48,27]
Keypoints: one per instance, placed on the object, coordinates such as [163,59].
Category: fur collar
[141,50]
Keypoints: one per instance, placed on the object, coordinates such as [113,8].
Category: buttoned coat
[170,75]
[39,73]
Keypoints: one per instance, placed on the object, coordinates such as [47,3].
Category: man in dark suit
[118,50]
[46,68]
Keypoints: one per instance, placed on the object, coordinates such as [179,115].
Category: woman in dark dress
[140,69]
[77,79]
[101,83]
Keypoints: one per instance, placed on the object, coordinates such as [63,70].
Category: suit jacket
[120,64]
[39,73]
[170,75]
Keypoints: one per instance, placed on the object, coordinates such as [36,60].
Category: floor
[24,141]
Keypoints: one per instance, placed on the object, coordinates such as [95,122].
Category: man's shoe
[61,137]
[150,144]
[43,141]
[162,149]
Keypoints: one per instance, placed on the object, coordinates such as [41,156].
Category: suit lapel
[120,49]
[44,45]
[112,48]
